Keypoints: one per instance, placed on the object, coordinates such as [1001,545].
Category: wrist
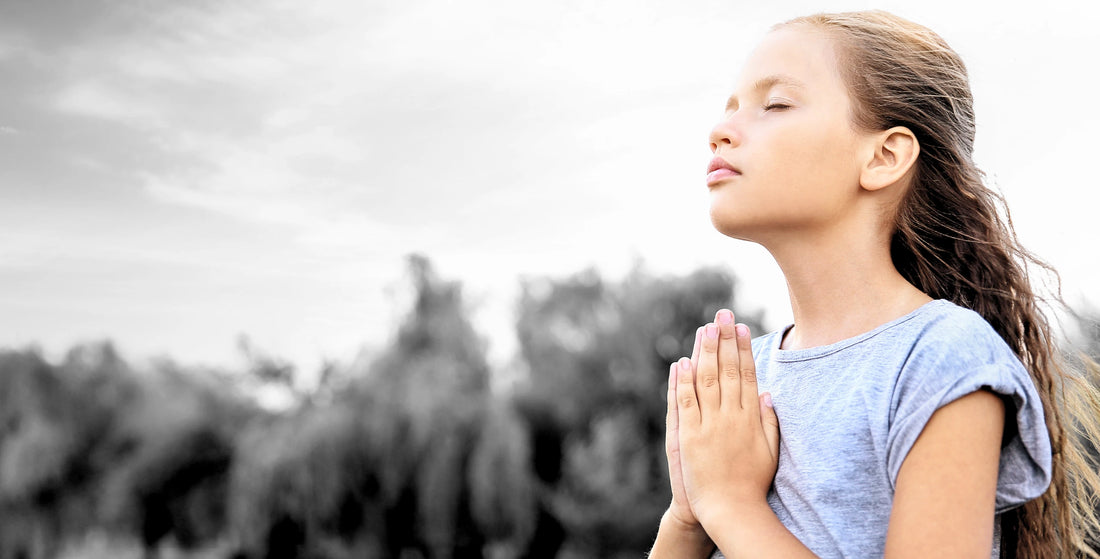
[677,538]
[752,529]
[672,524]
[725,512]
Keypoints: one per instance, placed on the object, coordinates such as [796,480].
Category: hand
[679,512]
[727,436]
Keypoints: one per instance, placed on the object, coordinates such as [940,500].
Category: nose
[724,134]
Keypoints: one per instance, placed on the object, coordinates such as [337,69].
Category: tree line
[415,452]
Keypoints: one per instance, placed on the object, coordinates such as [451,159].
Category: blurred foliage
[92,444]
[411,453]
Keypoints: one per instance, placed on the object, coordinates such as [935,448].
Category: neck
[841,284]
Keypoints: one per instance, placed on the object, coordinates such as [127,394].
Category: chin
[730,226]
[740,227]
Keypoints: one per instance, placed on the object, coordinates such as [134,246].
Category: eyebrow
[767,82]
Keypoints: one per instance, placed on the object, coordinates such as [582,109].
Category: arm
[755,531]
[943,502]
[944,495]
[946,489]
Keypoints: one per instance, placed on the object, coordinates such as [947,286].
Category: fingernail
[685,364]
[712,331]
[768,399]
[742,330]
[724,316]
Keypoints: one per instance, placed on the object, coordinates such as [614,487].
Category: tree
[385,466]
[597,355]
[56,423]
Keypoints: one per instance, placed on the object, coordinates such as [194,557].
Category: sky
[174,175]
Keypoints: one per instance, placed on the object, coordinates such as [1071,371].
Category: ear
[894,152]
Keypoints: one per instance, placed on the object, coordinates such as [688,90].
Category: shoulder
[956,353]
[944,321]
[949,334]
[954,350]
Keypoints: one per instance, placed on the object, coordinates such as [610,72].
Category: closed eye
[776,107]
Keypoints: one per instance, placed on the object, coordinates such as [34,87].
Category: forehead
[800,52]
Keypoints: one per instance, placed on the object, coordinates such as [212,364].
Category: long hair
[954,240]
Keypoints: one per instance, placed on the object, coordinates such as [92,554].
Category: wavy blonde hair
[954,240]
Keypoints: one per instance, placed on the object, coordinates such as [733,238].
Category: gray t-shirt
[850,411]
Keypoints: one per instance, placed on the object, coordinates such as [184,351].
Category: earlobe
[895,152]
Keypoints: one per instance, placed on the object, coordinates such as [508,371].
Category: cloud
[327,138]
[412,118]
[102,101]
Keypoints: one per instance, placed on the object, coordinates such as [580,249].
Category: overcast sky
[174,174]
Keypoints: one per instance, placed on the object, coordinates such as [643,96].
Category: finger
[671,418]
[695,350]
[672,437]
[747,368]
[770,422]
[706,373]
[728,370]
[687,405]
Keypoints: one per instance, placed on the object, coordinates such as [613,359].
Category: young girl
[917,406]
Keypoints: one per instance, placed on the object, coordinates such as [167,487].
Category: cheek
[817,158]
[801,175]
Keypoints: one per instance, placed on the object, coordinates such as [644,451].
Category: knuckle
[729,370]
[686,401]
[709,380]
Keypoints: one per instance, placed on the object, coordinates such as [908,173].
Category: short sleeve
[944,369]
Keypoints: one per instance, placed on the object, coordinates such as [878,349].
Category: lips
[719,163]
[719,170]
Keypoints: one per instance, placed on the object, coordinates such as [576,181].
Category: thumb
[770,423]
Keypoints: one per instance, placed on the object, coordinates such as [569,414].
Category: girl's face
[787,134]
